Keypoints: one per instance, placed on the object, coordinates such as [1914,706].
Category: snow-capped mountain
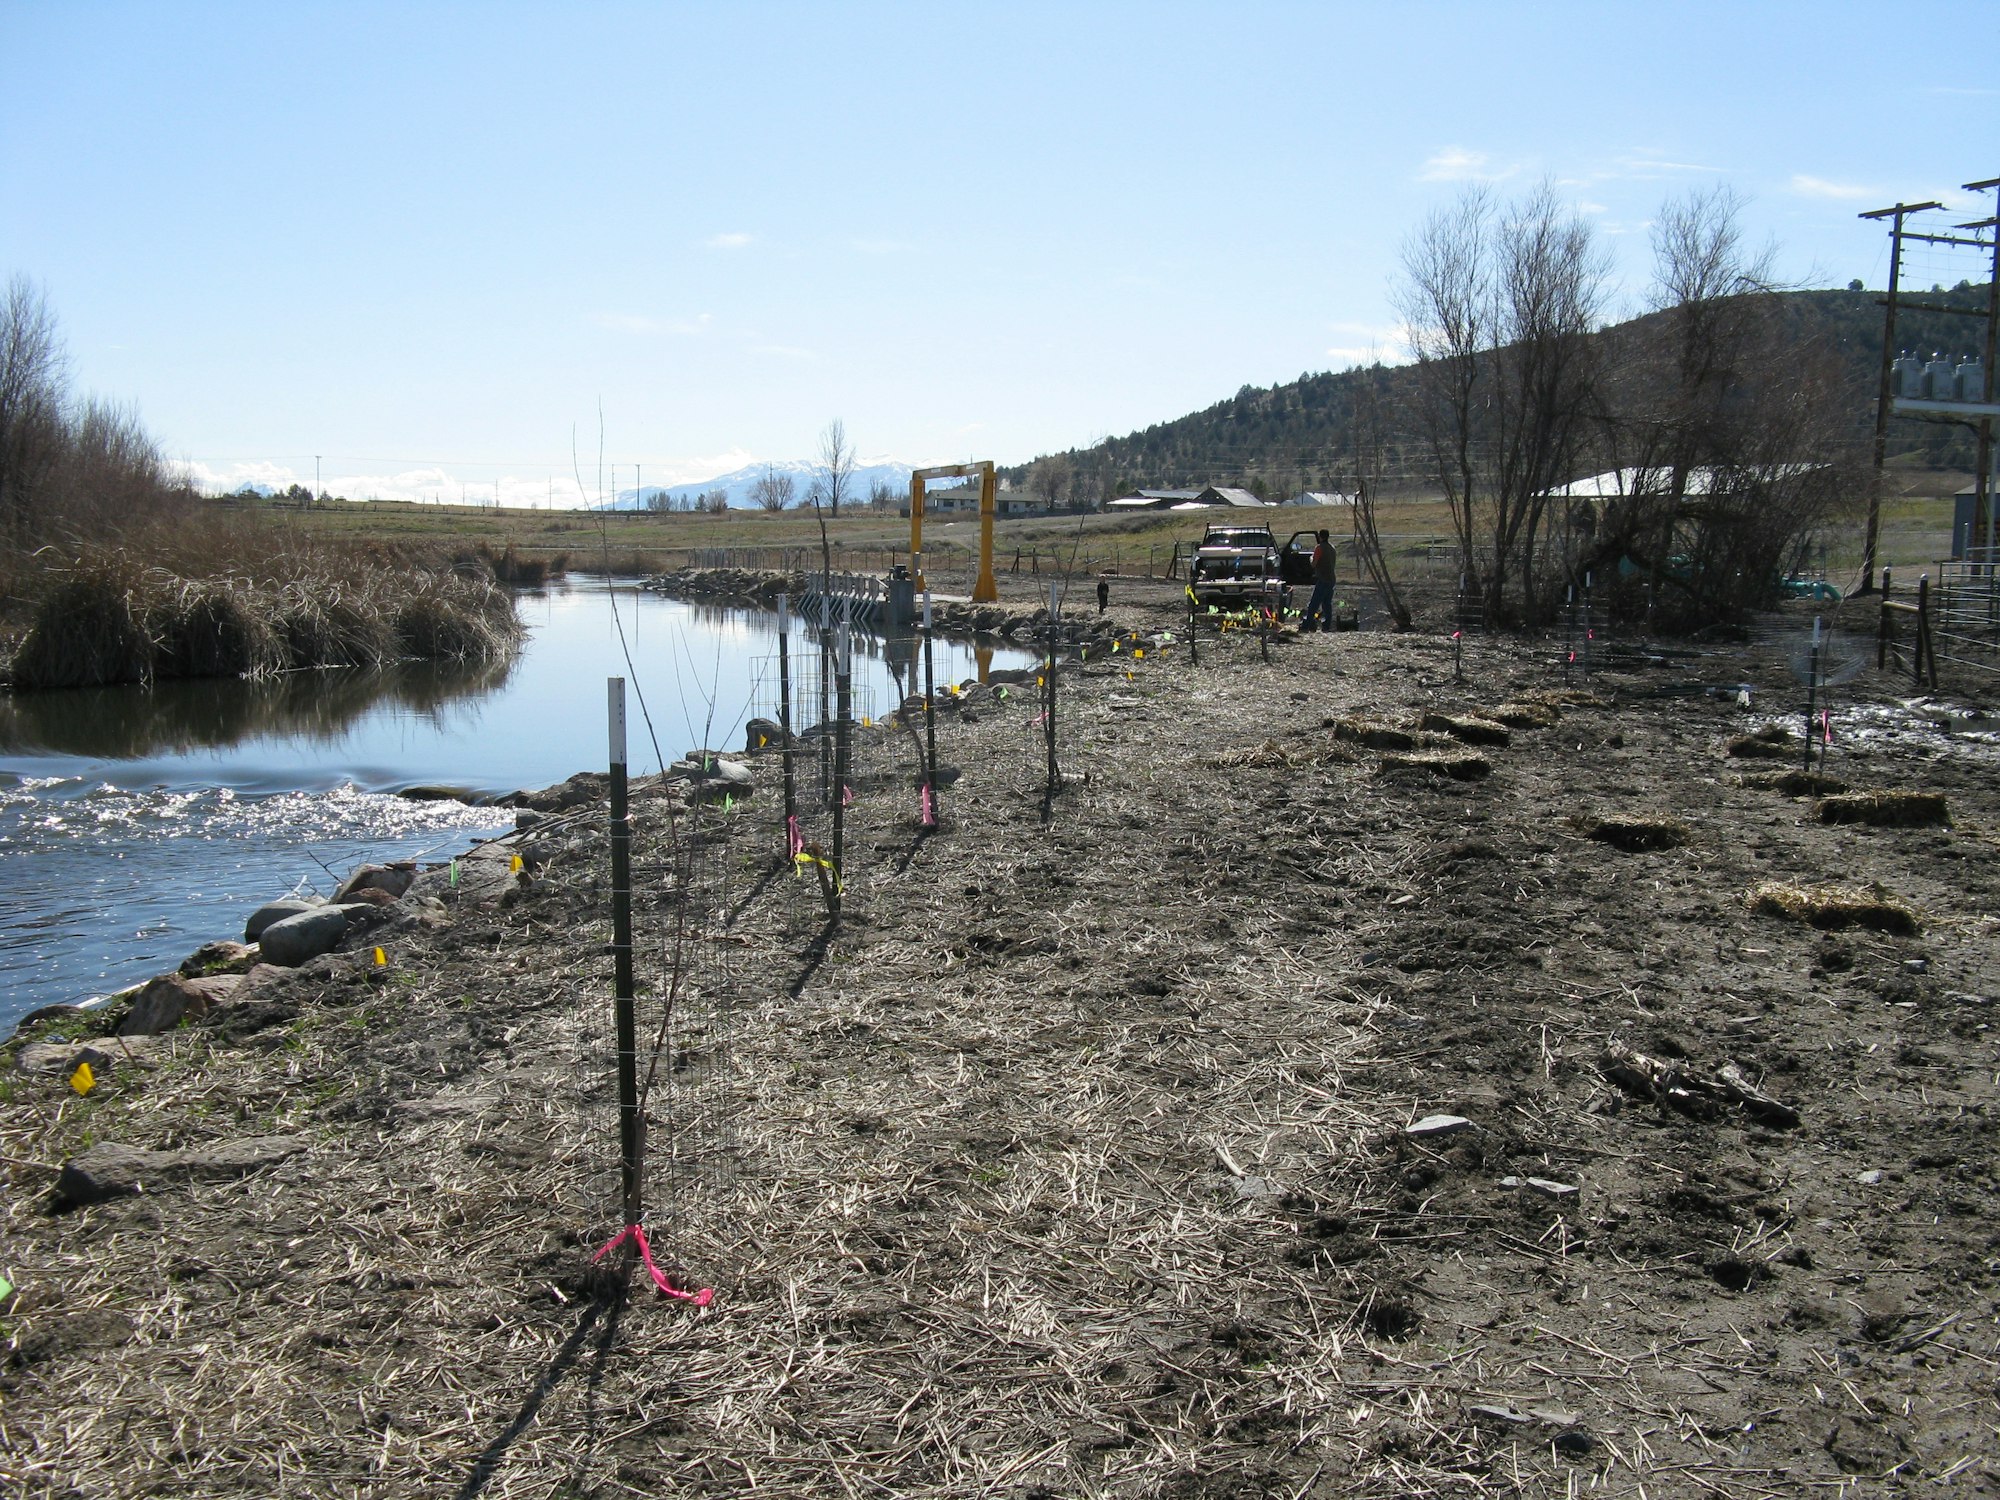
[738,485]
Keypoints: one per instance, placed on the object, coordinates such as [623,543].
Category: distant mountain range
[1294,436]
[738,485]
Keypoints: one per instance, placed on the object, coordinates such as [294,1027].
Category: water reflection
[136,823]
[177,717]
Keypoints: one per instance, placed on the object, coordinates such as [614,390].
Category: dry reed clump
[1794,783]
[212,628]
[511,567]
[1886,809]
[1829,907]
[90,630]
[1468,729]
[332,625]
[452,618]
[1636,835]
[1772,742]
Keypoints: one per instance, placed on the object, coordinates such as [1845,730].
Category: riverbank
[1079,1157]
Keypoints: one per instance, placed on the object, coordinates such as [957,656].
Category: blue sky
[431,242]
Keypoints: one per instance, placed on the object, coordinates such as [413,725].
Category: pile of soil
[1263,1112]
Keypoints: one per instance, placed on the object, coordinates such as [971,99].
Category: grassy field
[1916,522]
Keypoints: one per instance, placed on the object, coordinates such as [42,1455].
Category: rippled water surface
[136,824]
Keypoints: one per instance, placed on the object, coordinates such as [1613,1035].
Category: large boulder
[307,935]
[274,911]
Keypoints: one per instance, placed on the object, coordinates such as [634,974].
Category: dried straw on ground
[1895,809]
[1072,1162]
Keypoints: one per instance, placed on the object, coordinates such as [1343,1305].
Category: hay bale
[1772,742]
[1373,734]
[89,632]
[1886,809]
[1468,729]
[1793,783]
[1460,766]
[1523,715]
[1637,835]
[1830,908]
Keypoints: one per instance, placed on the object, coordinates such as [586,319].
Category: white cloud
[1819,187]
[1456,164]
[1645,165]
[734,240]
[646,323]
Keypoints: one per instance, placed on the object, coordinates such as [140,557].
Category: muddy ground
[1073,1160]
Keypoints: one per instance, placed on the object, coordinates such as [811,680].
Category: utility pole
[1982,514]
[1898,213]
[316,486]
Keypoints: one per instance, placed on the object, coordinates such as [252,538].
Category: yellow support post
[986,591]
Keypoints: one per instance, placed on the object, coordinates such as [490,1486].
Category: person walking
[1319,610]
[1103,593]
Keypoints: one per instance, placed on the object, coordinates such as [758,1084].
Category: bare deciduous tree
[1367,446]
[1499,306]
[1051,478]
[1726,430]
[33,379]
[773,491]
[836,462]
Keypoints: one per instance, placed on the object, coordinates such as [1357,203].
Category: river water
[138,823]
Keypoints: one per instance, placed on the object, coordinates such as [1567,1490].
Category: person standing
[1103,593]
[1319,610]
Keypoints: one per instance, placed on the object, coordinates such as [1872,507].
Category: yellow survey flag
[83,1080]
[381,958]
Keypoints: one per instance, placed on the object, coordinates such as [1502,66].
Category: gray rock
[110,1170]
[1871,1178]
[308,934]
[274,911]
[217,958]
[711,778]
[1547,1187]
[43,1013]
[162,1003]
[61,1058]
[393,878]
[1437,1127]
[763,734]
[217,989]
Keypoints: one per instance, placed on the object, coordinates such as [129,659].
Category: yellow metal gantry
[986,590]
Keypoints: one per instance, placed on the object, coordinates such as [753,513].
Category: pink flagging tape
[794,841]
[1039,719]
[929,805]
[847,796]
[1826,725]
[637,1235]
